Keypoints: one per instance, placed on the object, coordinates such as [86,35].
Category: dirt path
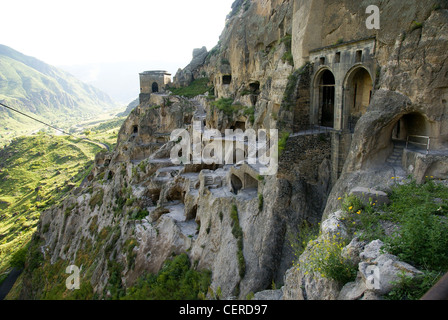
[7,285]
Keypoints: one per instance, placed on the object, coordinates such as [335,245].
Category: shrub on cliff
[175,281]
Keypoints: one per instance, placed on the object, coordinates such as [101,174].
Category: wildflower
[359,212]
[339,198]
[350,208]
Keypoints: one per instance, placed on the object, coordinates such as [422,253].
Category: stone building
[153,82]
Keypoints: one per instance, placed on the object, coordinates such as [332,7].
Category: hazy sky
[65,32]
[134,35]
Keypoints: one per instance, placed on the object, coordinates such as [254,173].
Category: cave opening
[227,79]
[236,183]
[155,87]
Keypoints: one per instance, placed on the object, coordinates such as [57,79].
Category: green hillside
[36,172]
[51,94]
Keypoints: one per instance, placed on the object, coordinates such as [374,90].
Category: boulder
[378,274]
[367,195]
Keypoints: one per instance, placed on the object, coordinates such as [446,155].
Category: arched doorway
[325,91]
[358,93]
[155,87]
[414,129]
[236,184]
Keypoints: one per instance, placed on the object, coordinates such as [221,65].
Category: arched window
[326,99]
[155,87]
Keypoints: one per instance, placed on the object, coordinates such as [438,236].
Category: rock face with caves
[287,65]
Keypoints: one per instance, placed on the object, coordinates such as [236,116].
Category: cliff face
[137,208]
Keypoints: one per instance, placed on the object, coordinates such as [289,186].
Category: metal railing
[312,130]
[427,144]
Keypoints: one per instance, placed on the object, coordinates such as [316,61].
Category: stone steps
[396,157]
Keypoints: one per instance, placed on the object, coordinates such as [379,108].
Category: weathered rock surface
[136,208]
[185,76]
[378,271]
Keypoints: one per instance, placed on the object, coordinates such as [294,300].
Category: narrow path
[9,282]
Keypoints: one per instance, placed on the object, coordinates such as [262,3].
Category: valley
[36,172]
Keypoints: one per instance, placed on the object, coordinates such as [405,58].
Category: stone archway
[324,98]
[410,124]
[358,89]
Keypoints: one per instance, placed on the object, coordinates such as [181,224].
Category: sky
[87,36]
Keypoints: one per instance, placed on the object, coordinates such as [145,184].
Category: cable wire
[53,127]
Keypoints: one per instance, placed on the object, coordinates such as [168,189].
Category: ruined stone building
[153,82]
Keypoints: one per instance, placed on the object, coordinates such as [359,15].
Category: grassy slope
[35,173]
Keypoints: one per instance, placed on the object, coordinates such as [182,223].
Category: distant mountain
[33,86]
[131,106]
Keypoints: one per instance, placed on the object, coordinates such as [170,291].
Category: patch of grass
[287,56]
[197,87]
[139,214]
[420,238]
[177,280]
[307,233]
[282,142]
[416,25]
[408,288]
[226,105]
[289,96]
[326,260]
[260,202]
[97,199]
[251,113]
[37,172]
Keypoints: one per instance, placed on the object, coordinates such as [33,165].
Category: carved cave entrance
[227,79]
[254,89]
[415,128]
[236,183]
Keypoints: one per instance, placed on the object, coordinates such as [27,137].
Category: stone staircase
[395,159]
